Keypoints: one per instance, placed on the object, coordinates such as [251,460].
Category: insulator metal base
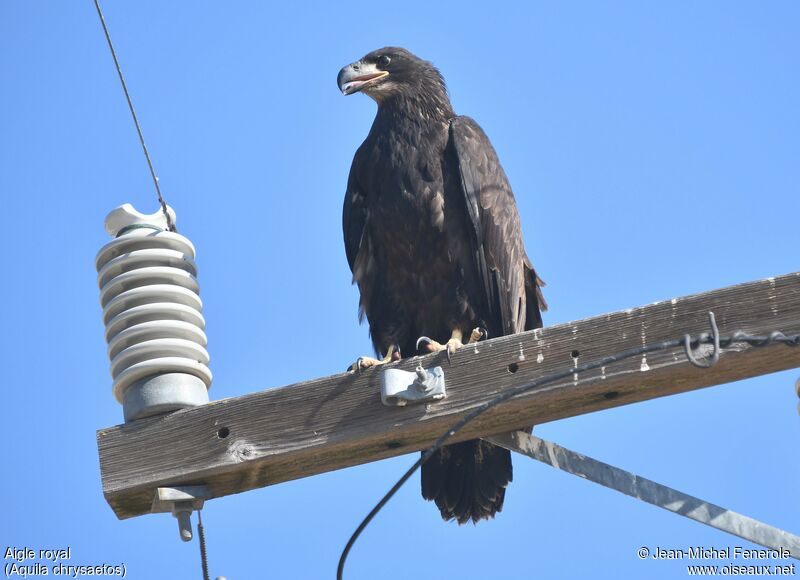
[163,394]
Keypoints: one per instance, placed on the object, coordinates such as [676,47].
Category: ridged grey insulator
[152,314]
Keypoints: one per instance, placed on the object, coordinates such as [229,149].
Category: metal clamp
[687,345]
[398,387]
[181,502]
[797,389]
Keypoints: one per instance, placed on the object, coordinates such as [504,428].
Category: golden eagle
[433,239]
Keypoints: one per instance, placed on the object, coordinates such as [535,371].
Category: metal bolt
[423,381]
[183,511]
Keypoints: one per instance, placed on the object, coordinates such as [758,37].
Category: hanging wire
[201,536]
[170,224]
[687,342]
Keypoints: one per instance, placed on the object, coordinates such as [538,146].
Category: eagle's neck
[427,106]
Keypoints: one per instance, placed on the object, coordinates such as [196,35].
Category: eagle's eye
[383,60]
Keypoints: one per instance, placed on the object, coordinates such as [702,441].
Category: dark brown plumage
[433,239]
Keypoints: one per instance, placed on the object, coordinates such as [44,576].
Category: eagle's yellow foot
[365,362]
[478,334]
[453,344]
[431,345]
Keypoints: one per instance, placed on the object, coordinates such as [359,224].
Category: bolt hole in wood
[223,432]
[575,353]
[513,367]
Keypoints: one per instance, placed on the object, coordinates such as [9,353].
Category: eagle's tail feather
[467,480]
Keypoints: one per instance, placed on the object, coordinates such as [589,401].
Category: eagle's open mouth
[356,84]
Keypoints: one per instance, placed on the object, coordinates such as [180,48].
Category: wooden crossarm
[281,434]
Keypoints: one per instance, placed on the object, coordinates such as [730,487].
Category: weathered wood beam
[277,435]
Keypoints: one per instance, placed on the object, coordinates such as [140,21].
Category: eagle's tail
[467,480]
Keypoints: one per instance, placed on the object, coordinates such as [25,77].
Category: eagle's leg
[365,362]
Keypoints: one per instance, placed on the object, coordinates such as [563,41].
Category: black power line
[170,224]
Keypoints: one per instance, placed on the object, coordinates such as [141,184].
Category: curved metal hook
[687,345]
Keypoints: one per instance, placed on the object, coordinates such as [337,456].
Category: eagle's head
[389,72]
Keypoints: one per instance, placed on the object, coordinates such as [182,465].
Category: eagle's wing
[510,286]
[354,217]
[357,246]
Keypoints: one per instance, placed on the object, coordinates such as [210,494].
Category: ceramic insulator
[152,314]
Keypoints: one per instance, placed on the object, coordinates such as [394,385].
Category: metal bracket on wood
[649,491]
[399,387]
[181,502]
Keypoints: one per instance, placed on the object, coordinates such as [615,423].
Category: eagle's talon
[365,362]
[452,346]
[431,345]
[477,335]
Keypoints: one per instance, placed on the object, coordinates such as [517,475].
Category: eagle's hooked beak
[358,75]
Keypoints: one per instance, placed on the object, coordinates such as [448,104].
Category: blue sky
[653,149]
